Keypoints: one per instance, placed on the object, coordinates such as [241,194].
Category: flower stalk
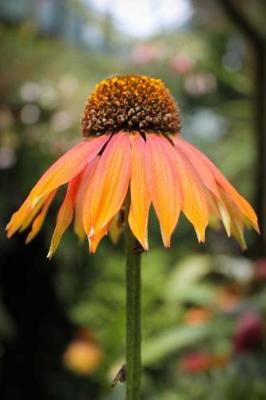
[133,319]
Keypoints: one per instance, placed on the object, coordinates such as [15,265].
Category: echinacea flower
[133,152]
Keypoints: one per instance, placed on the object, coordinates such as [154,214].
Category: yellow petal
[225,216]
[65,215]
[32,214]
[116,227]
[235,218]
[38,222]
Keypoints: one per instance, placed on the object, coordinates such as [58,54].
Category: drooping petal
[203,171]
[80,197]
[95,239]
[69,165]
[225,217]
[222,182]
[240,202]
[139,195]
[117,226]
[24,215]
[235,220]
[213,212]
[62,171]
[65,215]
[114,229]
[39,220]
[194,195]
[108,187]
[163,183]
[32,214]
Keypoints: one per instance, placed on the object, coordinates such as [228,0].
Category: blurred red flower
[249,332]
[260,269]
[197,362]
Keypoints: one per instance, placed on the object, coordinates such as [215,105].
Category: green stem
[133,335]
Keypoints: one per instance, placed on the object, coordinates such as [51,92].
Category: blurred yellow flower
[82,356]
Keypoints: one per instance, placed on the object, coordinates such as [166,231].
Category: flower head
[132,150]
[130,103]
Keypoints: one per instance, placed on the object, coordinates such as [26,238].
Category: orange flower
[132,150]
[197,315]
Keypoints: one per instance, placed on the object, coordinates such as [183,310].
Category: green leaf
[171,341]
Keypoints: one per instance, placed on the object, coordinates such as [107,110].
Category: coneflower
[132,156]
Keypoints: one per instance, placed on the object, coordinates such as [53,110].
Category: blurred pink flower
[200,84]
[181,64]
[143,54]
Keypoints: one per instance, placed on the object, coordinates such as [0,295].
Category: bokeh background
[204,306]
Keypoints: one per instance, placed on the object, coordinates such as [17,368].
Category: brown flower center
[134,103]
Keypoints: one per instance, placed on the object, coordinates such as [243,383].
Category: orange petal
[79,200]
[108,188]
[194,195]
[68,166]
[223,183]
[38,222]
[65,215]
[95,240]
[139,195]
[204,172]
[163,183]
[62,171]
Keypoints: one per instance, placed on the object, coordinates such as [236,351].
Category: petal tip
[50,254]
[91,232]
[145,246]
[8,234]
[257,228]
[167,243]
